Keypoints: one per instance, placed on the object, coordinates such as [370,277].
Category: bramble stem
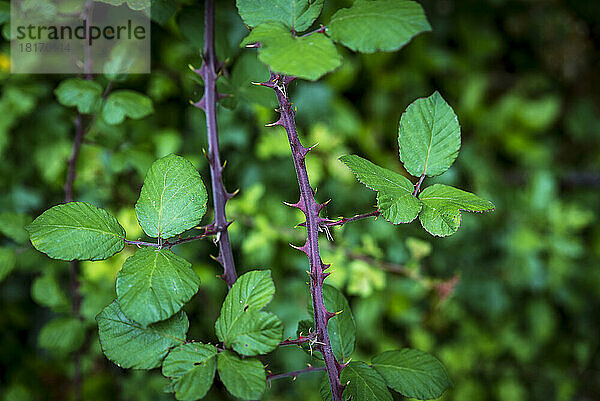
[344,220]
[311,210]
[209,72]
[418,185]
[295,373]
[208,231]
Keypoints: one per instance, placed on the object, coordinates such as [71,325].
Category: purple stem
[208,231]
[344,220]
[418,185]
[311,210]
[295,373]
[209,72]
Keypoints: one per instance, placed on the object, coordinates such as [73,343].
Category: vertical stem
[311,210]
[209,71]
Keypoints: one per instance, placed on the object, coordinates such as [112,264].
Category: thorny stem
[294,373]
[208,231]
[311,210]
[344,220]
[297,341]
[209,72]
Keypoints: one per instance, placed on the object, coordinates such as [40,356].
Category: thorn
[230,195]
[303,224]
[201,104]
[323,205]
[325,266]
[278,122]
[223,95]
[325,275]
[298,205]
[303,248]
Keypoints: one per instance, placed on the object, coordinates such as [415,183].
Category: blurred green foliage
[509,304]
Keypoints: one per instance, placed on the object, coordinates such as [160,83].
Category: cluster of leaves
[429,140]
[367,27]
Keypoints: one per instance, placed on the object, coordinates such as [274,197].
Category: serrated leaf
[132,345]
[46,291]
[308,57]
[296,14]
[86,95]
[395,198]
[173,198]
[251,291]
[154,284]
[243,378]
[13,225]
[442,205]
[126,103]
[363,383]
[413,373]
[341,328]
[77,230]
[62,335]
[192,370]
[254,333]
[7,262]
[370,26]
[241,325]
[429,136]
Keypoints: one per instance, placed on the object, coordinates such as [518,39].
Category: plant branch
[295,373]
[418,185]
[311,210]
[208,231]
[208,103]
[297,341]
[344,220]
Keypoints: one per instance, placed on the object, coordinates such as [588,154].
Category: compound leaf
[154,284]
[191,368]
[173,198]
[412,373]
[126,103]
[77,230]
[84,94]
[132,345]
[429,136]
[442,205]
[308,57]
[363,383]
[243,378]
[396,23]
[295,14]
[395,198]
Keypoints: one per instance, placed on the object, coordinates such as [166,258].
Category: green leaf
[363,383]
[442,205]
[7,262]
[173,198]
[395,198]
[13,225]
[131,345]
[308,57]
[126,103]
[163,10]
[192,370]
[154,284]
[429,136]
[370,26]
[46,291]
[84,94]
[62,335]
[341,328]
[413,373]
[295,14]
[241,325]
[77,230]
[243,378]
[133,4]
[251,291]
[325,388]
